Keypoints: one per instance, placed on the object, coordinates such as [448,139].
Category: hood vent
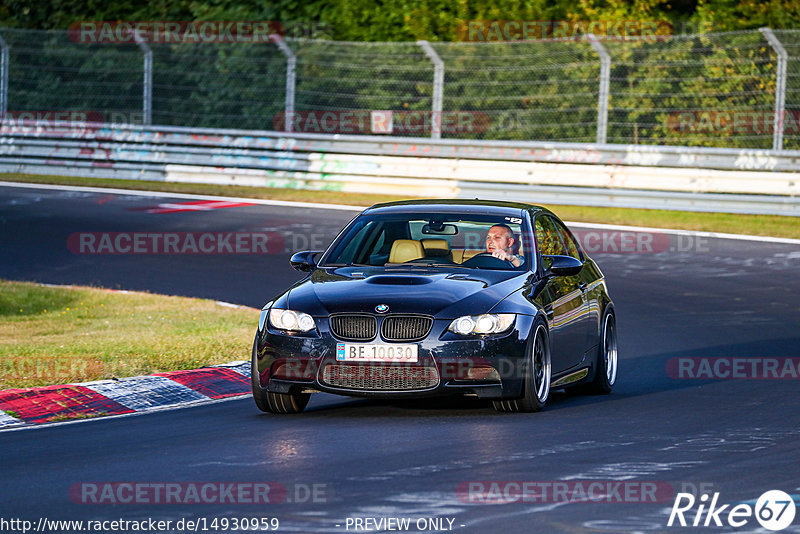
[394,280]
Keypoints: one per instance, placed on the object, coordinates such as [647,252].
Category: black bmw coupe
[440,297]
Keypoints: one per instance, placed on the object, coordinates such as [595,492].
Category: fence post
[438,88]
[5,64]
[291,62]
[780,88]
[605,76]
[147,84]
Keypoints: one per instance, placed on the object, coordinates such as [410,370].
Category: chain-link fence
[724,89]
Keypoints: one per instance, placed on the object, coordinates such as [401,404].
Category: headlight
[291,320]
[488,323]
[262,318]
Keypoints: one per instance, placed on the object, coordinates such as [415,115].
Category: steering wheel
[486,255]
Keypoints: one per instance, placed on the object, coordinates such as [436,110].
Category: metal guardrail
[697,179]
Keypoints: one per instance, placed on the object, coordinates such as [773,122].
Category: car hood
[446,295]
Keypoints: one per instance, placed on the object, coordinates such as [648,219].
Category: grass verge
[56,335]
[764,225]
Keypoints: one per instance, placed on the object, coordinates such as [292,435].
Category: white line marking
[232,305]
[159,194]
[347,207]
[693,233]
[6,419]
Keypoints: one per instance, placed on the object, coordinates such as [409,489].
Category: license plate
[369,352]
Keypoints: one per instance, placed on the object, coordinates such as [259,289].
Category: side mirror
[563,265]
[304,261]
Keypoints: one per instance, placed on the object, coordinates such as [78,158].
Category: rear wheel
[536,388]
[270,402]
[607,357]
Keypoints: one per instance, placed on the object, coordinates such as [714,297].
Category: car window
[415,231]
[548,238]
[367,238]
[430,239]
[350,248]
[567,238]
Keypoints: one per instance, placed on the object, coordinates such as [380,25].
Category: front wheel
[270,402]
[536,389]
[607,357]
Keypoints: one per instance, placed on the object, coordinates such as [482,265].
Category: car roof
[452,205]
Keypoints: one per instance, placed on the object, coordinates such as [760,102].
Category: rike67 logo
[774,510]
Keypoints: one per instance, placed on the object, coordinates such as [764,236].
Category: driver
[500,243]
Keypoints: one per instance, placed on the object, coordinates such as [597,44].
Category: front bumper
[488,367]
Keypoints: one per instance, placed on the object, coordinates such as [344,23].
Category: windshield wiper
[407,265]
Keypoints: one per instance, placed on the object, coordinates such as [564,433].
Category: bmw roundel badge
[382,308]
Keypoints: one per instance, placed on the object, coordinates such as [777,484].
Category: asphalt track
[716,298]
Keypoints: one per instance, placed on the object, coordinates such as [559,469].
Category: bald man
[500,244]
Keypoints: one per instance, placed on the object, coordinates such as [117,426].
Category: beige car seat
[404,250]
[437,248]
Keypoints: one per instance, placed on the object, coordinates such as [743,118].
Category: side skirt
[570,378]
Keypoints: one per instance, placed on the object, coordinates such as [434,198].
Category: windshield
[433,240]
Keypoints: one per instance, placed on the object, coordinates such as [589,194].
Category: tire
[607,357]
[538,373]
[270,402]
